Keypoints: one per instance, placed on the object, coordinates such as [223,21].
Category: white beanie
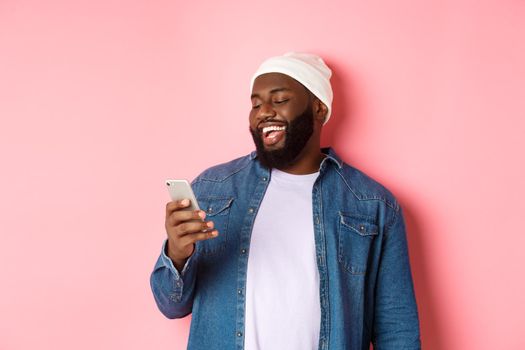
[309,70]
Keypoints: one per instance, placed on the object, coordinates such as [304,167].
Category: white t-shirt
[282,287]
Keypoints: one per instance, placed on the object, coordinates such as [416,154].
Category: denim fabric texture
[366,288]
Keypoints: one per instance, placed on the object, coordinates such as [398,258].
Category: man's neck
[306,163]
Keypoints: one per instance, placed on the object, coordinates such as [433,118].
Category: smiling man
[284,133]
[294,249]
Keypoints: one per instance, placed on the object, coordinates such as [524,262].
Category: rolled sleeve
[173,290]
[166,261]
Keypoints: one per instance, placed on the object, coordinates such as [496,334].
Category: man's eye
[281,101]
[256,106]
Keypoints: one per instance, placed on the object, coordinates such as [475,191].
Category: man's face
[281,119]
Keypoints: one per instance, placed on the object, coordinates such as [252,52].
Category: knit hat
[309,70]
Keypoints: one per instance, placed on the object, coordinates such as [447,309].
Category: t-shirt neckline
[282,175]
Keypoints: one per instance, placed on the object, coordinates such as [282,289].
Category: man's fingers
[176,205]
[201,236]
[189,227]
[178,216]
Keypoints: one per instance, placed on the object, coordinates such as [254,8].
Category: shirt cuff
[169,263]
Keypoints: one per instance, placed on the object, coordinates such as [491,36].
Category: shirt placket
[254,203]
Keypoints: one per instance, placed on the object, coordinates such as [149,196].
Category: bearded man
[293,248]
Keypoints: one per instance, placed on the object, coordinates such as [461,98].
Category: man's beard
[297,134]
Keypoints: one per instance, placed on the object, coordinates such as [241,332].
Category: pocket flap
[215,206]
[359,224]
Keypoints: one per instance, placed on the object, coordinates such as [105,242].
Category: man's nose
[266,111]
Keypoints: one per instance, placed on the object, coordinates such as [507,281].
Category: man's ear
[320,111]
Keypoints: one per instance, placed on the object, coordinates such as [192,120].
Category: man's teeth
[268,129]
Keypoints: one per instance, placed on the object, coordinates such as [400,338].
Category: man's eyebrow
[273,91]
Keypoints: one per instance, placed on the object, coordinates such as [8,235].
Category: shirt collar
[332,157]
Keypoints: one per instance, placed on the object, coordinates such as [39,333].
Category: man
[293,249]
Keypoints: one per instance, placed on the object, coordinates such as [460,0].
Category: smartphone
[181,189]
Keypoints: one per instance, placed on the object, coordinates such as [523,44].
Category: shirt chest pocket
[355,236]
[218,211]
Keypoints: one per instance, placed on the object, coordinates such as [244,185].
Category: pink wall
[100,101]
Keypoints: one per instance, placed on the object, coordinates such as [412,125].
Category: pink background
[100,101]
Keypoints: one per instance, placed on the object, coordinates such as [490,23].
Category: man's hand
[184,228]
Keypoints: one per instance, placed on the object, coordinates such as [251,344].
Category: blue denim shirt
[366,288]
